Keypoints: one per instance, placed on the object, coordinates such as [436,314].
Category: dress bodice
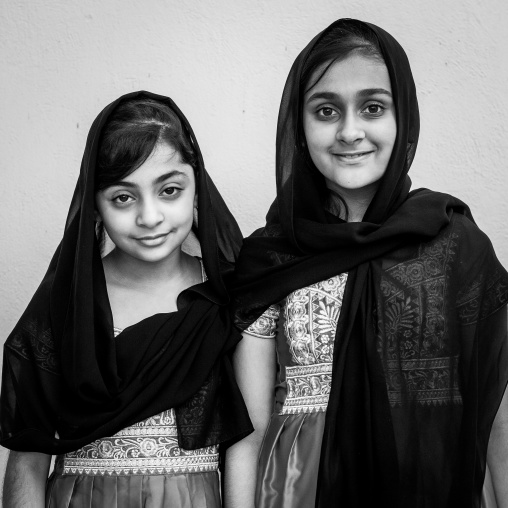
[305,324]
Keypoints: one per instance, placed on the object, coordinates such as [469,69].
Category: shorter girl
[133,346]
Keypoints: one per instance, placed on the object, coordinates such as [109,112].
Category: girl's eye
[326,112]
[122,198]
[171,191]
[374,109]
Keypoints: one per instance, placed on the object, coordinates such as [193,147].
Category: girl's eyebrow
[170,174]
[332,96]
[158,180]
[373,91]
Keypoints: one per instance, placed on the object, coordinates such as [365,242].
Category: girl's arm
[254,364]
[25,480]
[497,455]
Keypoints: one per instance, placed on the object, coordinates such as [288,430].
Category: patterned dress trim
[148,447]
[433,381]
[265,326]
[308,388]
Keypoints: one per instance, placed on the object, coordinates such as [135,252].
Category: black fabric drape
[63,370]
[416,379]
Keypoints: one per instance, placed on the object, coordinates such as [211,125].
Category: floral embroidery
[426,381]
[41,346]
[419,361]
[311,316]
[311,320]
[264,327]
[148,447]
[308,388]
[482,298]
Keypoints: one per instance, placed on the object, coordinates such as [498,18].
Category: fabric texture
[197,490]
[409,314]
[65,373]
[289,461]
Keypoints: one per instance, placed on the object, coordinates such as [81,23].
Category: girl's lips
[152,241]
[153,237]
[353,156]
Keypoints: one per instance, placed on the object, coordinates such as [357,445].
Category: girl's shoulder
[470,248]
[467,231]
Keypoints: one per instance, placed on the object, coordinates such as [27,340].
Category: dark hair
[336,45]
[130,136]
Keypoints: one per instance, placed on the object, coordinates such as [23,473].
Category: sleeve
[483,288]
[265,326]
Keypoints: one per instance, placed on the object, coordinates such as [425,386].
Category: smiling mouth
[352,156]
[154,237]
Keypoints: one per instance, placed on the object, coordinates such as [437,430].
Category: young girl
[388,307]
[119,365]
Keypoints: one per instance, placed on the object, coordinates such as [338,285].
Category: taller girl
[391,305]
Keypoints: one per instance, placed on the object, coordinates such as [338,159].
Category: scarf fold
[420,359]
[67,380]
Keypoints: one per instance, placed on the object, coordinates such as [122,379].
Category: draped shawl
[420,359]
[67,381]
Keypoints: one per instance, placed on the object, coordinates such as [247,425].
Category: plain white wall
[225,63]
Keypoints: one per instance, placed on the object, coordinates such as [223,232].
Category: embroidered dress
[422,355]
[304,326]
[142,465]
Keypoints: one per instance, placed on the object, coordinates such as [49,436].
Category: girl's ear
[195,212]
[97,216]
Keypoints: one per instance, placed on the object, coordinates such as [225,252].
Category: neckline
[117,331]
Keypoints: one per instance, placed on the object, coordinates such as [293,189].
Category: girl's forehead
[164,161]
[356,72]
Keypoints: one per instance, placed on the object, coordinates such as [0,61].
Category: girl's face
[149,213]
[349,124]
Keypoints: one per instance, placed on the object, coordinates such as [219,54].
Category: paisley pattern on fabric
[264,327]
[148,447]
[308,388]
[41,347]
[420,361]
[494,298]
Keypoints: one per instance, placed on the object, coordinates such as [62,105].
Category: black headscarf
[382,446]
[63,370]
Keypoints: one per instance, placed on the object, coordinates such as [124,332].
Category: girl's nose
[149,214]
[350,129]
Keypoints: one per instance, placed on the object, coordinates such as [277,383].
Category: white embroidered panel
[308,388]
[148,447]
[311,316]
